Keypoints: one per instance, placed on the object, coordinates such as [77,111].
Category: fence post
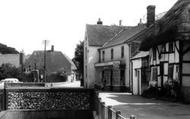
[109,112]
[132,117]
[103,110]
[117,114]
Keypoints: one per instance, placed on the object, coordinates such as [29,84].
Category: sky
[25,24]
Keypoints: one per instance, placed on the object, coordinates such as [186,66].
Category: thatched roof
[168,27]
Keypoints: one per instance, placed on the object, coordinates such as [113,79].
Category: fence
[107,112]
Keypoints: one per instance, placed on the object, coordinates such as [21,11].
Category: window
[122,51]
[163,48]
[154,53]
[171,47]
[170,71]
[99,55]
[154,73]
[111,53]
[103,55]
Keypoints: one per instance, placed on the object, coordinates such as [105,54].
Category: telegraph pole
[45,43]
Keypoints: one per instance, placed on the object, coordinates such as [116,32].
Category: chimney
[150,15]
[140,22]
[120,22]
[99,21]
[52,48]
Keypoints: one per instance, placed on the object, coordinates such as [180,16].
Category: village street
[144,108]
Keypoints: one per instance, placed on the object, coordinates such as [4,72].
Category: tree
[9,71]
[7,50]
[78,60]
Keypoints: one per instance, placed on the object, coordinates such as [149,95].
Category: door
[137,82]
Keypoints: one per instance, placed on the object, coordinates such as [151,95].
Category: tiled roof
[99,34]
[55,61]
[166,27]
[124,35]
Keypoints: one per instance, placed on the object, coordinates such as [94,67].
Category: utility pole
[45,43]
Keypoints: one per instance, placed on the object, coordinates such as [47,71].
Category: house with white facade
[168,43]
[114,66]
[95,37]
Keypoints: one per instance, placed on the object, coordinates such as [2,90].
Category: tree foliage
[9,71]
[78,59]
[7,50]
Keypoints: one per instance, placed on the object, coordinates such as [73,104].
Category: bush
[9,71]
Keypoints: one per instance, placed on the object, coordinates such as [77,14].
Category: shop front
[112,75]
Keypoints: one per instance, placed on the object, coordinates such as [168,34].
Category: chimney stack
[140,22]
[150,15]
[52,48]
[120,22]
[99,21]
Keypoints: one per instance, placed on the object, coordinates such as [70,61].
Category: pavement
[144,108]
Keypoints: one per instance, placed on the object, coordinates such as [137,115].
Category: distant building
[13,59]
[56,61]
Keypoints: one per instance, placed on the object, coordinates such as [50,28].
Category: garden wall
[49,99]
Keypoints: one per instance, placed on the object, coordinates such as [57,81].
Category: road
[144,108]
[64,84]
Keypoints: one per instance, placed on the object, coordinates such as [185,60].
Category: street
[144,108]
[64,84]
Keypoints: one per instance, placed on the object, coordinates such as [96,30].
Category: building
[13,59]
[95,37]
[168,43]
[56,61]
[113,67]
[107,53]
[140,72]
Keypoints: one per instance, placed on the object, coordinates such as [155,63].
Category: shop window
[122,76]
